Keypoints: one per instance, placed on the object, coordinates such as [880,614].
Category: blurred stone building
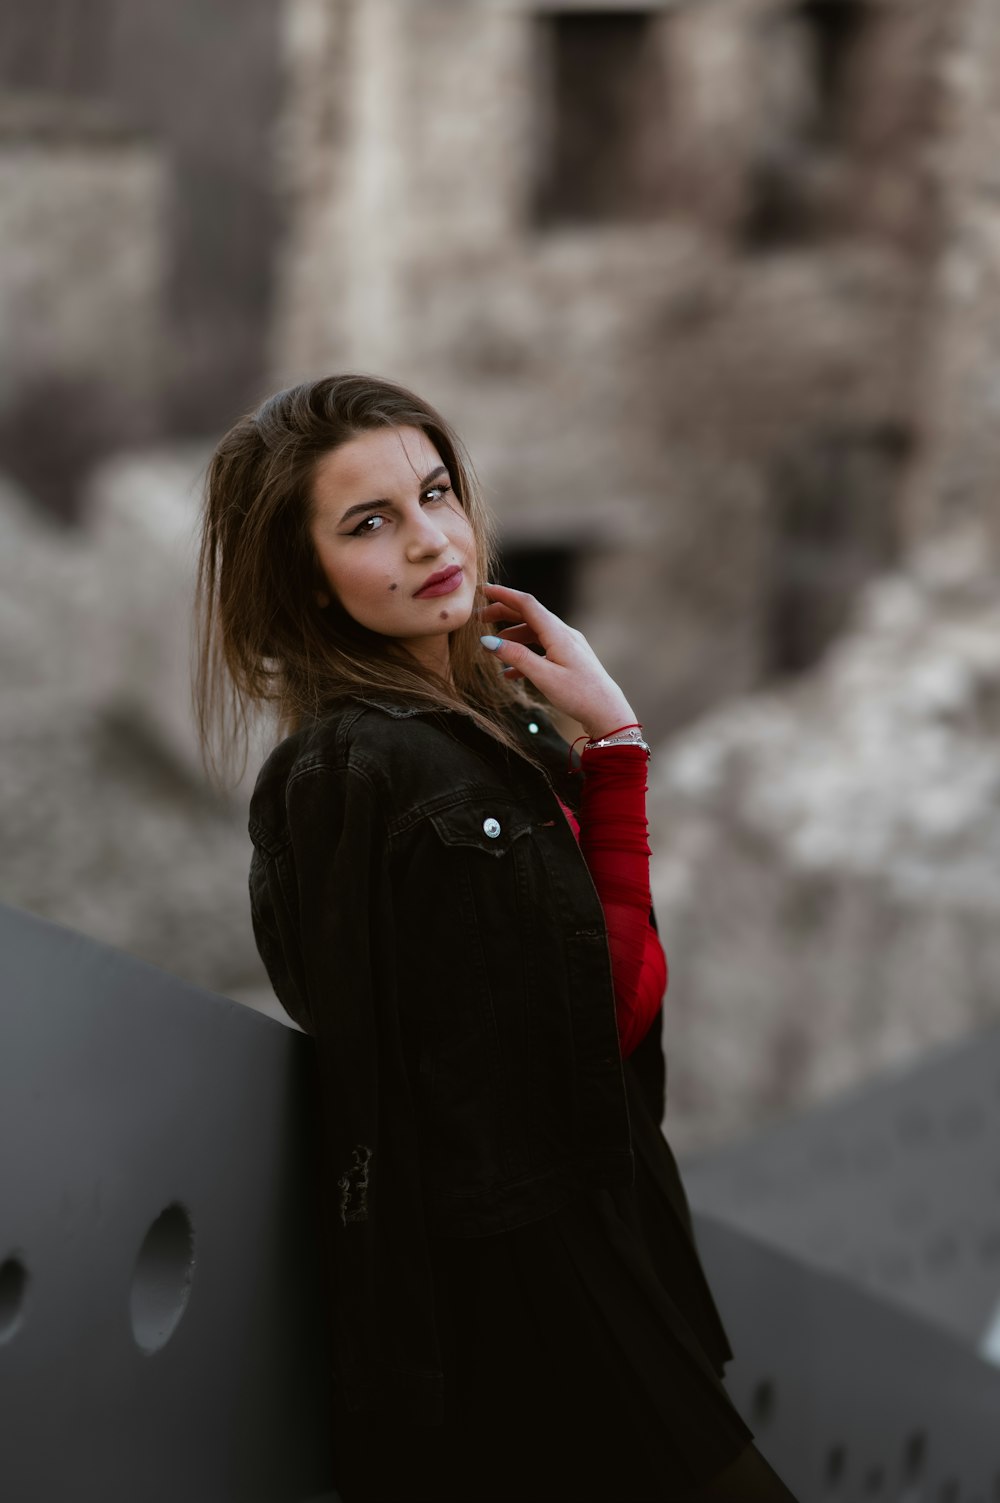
[139,218]
[666,265]
[707,287]
[828,854]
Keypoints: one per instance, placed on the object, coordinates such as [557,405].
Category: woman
[461,920]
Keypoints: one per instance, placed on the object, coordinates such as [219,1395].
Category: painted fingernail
[492,642]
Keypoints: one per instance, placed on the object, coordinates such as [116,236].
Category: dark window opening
[835,525]
[106,69]
[54,428]
[547,571]
[602,117]
[778,212]
[834,29]
[814,45]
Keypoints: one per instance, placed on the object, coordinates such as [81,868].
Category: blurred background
[710,289]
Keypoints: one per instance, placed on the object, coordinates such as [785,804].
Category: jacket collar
[395,707]
[399,709]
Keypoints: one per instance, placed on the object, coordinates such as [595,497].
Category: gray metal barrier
[162,1329]
[895,1184]
[160,1332]
[851,1397]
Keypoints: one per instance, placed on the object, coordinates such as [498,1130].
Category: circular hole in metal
[13,1287]
[915,1455]
[762,1402]
[835,1465]
[161,1281]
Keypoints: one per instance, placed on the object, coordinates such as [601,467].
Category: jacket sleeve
[648,1060]
[386,1353]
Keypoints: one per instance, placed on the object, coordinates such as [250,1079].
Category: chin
[461,616]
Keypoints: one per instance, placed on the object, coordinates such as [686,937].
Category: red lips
[439,577]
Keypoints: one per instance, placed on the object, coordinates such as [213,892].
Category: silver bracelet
[631,737]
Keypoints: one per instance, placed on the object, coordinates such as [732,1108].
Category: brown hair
[261,642]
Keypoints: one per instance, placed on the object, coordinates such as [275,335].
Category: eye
[441,489]
[363,529]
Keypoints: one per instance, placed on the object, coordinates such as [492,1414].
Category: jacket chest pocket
[499,994]
[487,849]
[484,889]
[486,825]
[488,892]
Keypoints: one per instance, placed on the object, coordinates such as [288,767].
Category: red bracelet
[636,724]
[632,725]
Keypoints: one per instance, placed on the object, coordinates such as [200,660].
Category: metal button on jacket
[491,827]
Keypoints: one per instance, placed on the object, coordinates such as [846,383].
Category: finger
[531,665]
[497,611]
[531,609]
[523,634]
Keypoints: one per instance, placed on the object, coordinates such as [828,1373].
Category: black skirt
[583,1357]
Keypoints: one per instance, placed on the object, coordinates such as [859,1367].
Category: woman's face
[385,519]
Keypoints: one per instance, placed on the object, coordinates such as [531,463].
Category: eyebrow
[384,501]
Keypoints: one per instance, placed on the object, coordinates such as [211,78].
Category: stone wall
[721,390]
[108,825]
[827,853]
[639,370]
[141,212]
[83,220]
[827,858]
[957,478]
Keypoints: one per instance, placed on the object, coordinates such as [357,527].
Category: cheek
[467,536]
[369,592]
[337,580]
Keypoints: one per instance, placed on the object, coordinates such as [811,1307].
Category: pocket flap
[490,825]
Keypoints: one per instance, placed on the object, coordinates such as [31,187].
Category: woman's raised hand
[570,674]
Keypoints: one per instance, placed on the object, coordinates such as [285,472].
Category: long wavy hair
[261,642]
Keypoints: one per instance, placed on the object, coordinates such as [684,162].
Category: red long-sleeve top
[612,834]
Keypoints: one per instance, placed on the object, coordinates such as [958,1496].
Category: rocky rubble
[108,824]
[827,857]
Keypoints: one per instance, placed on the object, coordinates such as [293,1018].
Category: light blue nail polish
[492,642]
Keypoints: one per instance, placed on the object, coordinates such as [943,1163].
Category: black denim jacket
[425,913]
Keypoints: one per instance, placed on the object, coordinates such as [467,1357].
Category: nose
[425,535]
